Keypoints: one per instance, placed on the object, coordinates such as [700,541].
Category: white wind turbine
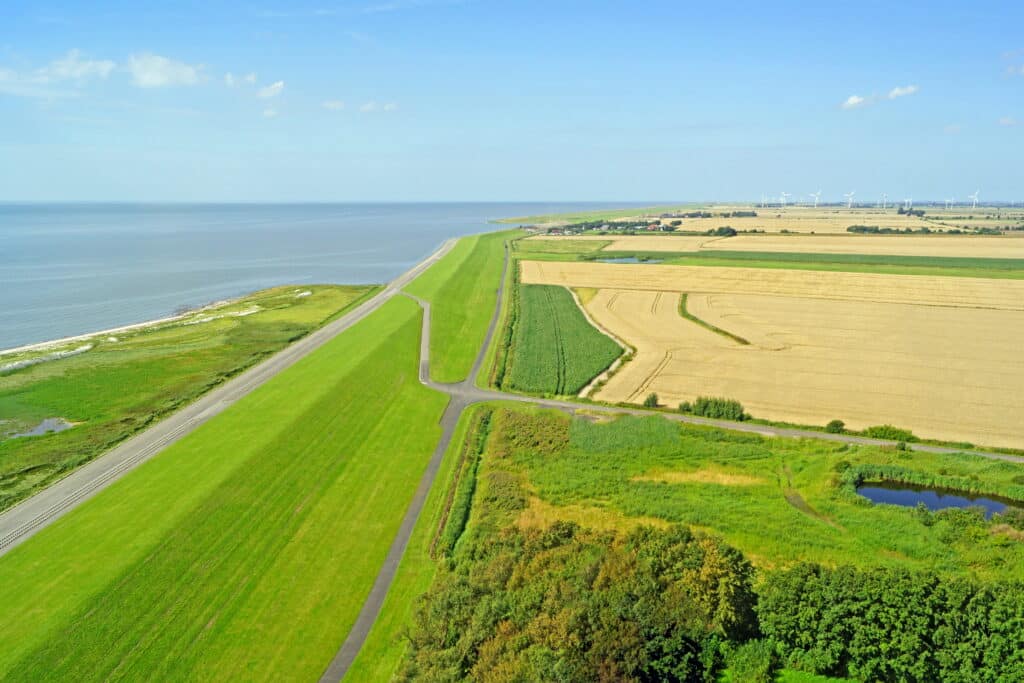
[849,199]
[974,199]
[908,204]
[783,197]
[817,196]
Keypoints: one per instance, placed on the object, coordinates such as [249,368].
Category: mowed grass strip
[384,649]
[462,288]
[126,382]
[555,349]
[260,577]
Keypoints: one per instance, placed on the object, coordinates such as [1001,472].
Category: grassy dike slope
[245,550]
[461,289]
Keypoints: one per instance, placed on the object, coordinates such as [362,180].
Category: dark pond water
[629,259]
[935,499]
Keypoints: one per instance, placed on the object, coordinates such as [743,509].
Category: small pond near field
[47,426]
[907,495]
[629,259]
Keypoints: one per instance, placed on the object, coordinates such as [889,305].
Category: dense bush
[756,661]
[718,408]
[890,433]
[566,604]
[465,486]
[651,401]
[894,625]
[835,427]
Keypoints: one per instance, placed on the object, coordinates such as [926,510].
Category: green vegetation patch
[555,349]
[126,382]
[778,500]
[248,547]
[462,289]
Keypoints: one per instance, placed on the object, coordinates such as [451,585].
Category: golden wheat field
[963,246]
[941,358]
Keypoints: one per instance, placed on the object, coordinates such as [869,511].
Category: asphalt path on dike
[20,522]
[466,393]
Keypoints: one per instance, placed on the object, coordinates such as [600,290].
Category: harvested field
[953,246]
[861,348]
[863,287]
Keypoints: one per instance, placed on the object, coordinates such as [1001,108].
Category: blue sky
[475,100]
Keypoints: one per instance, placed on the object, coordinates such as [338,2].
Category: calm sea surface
[68,269]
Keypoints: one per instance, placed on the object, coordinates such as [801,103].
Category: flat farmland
[921,290]
[863,350]
[949,246]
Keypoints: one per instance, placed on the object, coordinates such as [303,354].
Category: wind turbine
[849,199]
[817,196]
[783,197]
[908,204]
[950,202]
[974,199]
[885,199]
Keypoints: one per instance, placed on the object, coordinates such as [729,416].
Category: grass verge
[247,548]
[124,383]
[706,325]
[461,289]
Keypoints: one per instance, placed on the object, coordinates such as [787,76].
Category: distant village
[666,222]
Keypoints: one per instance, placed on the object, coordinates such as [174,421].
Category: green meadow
[245,550]
[124,383]
[461,289]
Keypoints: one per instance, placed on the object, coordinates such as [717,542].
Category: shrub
[890,433]
[719,408]
[687,407]
[651,401]
[835,427]
[754,662]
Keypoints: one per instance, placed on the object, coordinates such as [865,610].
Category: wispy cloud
[372,106]
[272,90]
[270,113]
[1015,69]
[952,128]
[231,80]
[334,105]
[902,91]
[399,5]
[853,102]
[858,101]
[153,71]
[1008,121]
[73,69]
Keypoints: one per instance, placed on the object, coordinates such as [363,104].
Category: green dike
[385,647]
[461,289]
[246,549]
[120,387]
[555,349]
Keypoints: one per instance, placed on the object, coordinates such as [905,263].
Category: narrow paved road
[28,517]
[466,393]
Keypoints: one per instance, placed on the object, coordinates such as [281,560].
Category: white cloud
[73,67]
[1017,70]
[153,71]
[902,91]
[854,101]
[272,90]
[334,105]
[269,113]
[250,78]
[372,106]
[1008,121]
[952,128]
[229,79]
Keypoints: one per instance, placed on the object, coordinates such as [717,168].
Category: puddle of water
[906,495]
[629,259]
[48,426]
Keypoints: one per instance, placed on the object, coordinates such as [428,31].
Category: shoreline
[43,345]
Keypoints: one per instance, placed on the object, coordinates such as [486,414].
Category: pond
[907,495]
[629,259]
[47,426]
